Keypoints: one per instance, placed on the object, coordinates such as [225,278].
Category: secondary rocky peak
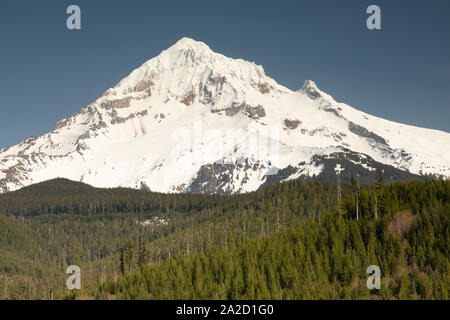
[310,88]
[309,84]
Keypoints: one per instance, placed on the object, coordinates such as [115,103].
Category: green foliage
[317,260]
[51,225]
[282,242]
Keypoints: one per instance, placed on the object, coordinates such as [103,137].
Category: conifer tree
[122,262]
[379,195]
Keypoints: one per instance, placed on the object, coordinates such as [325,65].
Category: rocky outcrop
[188,99]
[264,88]
[311,90]
[363,132]
[118,104]
[291,124]
[212,178]
[255,112]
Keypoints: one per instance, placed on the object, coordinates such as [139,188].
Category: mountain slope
[192,120]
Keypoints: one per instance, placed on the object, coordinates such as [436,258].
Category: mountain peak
[190,72]
[186,43]
[187,50]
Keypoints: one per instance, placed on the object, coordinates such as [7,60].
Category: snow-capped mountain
[192,120]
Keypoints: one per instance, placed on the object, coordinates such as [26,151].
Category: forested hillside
[322,258]
[294,240]
[61,223]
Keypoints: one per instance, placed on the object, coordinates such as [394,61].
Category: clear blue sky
[401,72]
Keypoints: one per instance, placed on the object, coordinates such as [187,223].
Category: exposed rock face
[363,132]
[292,124]
[225,178]
[264,88]
[144,85]
[255,112]
[281,175]
[217,80]
[234,109]
[310,89]
[118,104]
[61,124]
[212,179]
[252,112]
[329,108]
[142,113]
[188,99]
[118,120]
